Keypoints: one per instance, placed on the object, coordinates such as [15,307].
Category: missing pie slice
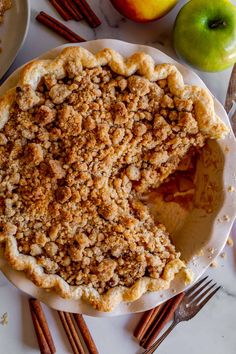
[82,137]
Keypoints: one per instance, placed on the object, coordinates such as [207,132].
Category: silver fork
[194,300]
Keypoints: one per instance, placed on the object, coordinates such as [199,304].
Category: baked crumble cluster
[75,156]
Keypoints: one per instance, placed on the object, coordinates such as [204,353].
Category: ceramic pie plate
[13,32]
[199,234]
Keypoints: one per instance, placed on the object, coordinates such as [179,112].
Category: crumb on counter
[4,319]
[226,149]
[225,218]
[223,255]
[214,264]
[230,242]
[231,189]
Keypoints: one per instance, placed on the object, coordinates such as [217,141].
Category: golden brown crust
[209,123]
[71,61]
[106,302]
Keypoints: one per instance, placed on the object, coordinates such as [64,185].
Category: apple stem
[217,24]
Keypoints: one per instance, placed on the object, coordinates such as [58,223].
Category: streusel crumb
[75,156]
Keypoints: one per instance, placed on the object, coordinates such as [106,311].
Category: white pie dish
[198,223]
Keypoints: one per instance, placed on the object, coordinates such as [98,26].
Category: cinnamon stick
[62,12]
[72,335]
[85,334]
[58,27]
[165,316]
[87,13]
[145,322]
[43,345]
[43,333]
[72,9]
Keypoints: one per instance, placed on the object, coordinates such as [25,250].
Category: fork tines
[191,303]
[196,297]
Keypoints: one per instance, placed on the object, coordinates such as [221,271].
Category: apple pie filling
[76,155]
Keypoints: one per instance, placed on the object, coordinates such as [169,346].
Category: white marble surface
[213,330]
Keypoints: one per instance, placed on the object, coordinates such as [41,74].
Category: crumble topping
[76,155]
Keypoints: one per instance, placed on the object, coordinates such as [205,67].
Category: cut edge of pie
[142,64]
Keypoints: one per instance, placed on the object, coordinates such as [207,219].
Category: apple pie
[82,137]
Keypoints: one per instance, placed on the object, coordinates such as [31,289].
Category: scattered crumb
[195,261]
[223,255]
[211,250]
[200,253]
[4,319]
[226,149]
[231,189]
[225,218]
[214,264]
[173,291]
[230,242]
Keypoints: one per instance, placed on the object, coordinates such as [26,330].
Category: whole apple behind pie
[82,138]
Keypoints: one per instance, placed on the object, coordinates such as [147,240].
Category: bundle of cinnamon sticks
[153,321]
[69,10]
[76,10]
[71,324]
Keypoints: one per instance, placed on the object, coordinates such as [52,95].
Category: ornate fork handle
[152,349]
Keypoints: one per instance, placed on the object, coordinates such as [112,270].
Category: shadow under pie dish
[82,137]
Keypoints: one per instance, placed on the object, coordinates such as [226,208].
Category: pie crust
[47,92]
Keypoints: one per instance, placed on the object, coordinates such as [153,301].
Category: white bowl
[202,230]
[13,32]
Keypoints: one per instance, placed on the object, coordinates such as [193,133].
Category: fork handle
[152,349]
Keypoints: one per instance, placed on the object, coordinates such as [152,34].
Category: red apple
[144,11]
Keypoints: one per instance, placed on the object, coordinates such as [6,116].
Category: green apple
[205,34]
